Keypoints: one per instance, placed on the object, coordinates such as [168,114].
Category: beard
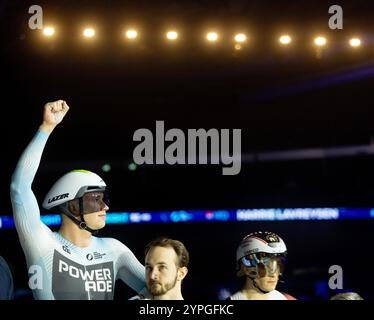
[158,289]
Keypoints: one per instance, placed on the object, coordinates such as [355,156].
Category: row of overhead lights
[172,35]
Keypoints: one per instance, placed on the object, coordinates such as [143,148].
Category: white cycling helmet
[263,253]
[71,186]
[256,245]
[264,242]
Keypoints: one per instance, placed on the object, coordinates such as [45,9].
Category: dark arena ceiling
[284,99]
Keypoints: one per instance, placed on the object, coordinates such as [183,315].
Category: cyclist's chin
[96,220]
[99,226]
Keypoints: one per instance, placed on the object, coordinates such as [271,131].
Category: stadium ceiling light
[89,32]
[49,31]
[172,35]
[355,42]
[240,37]
[212,36]
[131,34]
[285,39]
[320,41]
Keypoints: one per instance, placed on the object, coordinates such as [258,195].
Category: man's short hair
[179,248]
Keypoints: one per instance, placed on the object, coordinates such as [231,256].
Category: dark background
[281,99]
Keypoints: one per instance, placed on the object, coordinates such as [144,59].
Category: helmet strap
[258,287]
[253,278]
[80,223]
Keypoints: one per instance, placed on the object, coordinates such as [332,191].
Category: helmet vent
[93,187]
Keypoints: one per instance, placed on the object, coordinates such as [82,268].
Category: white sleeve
[130,270]
[31,231]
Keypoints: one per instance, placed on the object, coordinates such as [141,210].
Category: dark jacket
[6,281]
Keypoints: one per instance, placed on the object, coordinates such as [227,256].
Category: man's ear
[182,272]
[73,206]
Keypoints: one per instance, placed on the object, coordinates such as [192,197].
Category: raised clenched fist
[54,112]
